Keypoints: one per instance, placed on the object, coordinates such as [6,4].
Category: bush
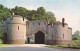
[74,44]
[76,38]
[0,41]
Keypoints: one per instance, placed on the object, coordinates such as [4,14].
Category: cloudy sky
[68,9]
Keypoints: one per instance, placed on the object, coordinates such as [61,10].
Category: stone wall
[58,35]
[16,30]
[35,26]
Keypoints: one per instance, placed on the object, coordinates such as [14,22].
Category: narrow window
[18,27]
[23,18]
[63,36]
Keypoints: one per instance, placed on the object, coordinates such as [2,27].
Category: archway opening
[39,38]
[28,40]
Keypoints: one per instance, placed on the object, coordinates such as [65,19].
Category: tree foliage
[76,38]
[39,14]
[1,34]
[51,17]
[4,12]
[76,35]
[20,11]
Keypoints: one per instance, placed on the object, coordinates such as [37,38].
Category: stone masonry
[20,30]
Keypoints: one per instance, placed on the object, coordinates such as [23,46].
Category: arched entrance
[28,40]
[39,38]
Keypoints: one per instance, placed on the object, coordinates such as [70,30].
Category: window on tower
[18,27]
[63,36]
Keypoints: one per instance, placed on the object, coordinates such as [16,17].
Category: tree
[32,15]
[1,34]
[76,33]
[41,13]
[4,12]
[20,11]
[51,17]
[1,6]
[76,38]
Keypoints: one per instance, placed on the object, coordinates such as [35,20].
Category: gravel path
[32,47]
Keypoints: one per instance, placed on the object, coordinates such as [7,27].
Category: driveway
[32,47]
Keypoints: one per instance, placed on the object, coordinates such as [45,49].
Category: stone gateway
[20,30]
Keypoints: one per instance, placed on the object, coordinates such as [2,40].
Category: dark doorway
[39,38]
[28,40]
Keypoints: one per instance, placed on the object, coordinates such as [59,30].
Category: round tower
[61,34]
[16,30]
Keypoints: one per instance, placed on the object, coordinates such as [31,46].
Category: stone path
[32,47]
[25,45]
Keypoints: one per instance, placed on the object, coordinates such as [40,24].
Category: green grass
[4,44]
[58,46]
[0,41]
[63,47]
[76,45]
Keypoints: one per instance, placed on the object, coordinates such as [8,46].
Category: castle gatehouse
[20,30]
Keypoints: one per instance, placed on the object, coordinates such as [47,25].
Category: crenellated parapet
[19,29]
[16,19]
[32,26]
[16,30]
[60,33]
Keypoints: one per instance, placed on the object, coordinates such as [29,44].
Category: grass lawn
[4,44]
[58,46]
[63,47]
[76,45]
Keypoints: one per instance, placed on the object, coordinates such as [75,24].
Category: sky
[68,9]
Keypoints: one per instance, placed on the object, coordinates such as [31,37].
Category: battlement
[18,29]
[16,19]
[59,23]
[56,23]
[38,22]
[19,16]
